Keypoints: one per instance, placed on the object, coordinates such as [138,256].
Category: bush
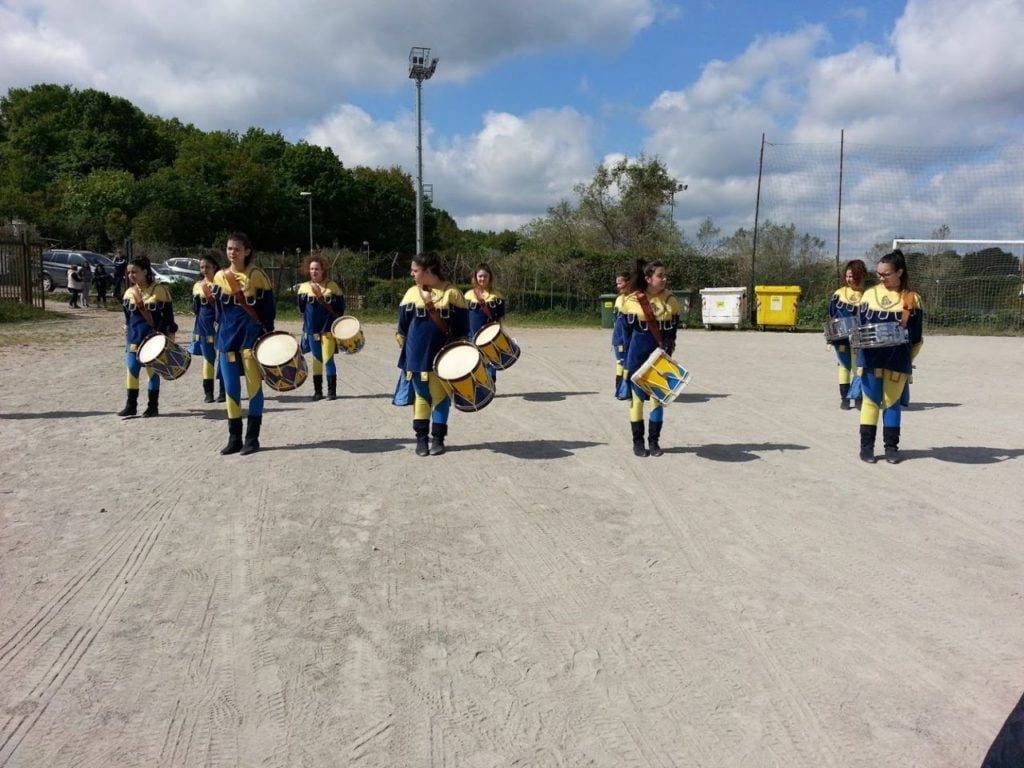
[386,293]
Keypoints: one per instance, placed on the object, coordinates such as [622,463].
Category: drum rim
[276,336]
[347,320]
[457,348]
[498,330]
[154,337]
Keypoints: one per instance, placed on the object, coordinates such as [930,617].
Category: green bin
[607,301]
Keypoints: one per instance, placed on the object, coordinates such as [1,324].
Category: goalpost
[977,284]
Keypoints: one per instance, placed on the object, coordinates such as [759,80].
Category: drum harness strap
[652,324]
[320,298]
[236,291]
[483,304]
[908,303]
[140,305]
[428,302]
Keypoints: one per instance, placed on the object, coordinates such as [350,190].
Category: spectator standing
[86,272]
[74,286]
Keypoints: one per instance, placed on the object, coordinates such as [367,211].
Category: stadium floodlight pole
[421,67]
[310,196]
[672,201]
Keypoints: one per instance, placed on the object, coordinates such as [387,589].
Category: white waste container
[723,306]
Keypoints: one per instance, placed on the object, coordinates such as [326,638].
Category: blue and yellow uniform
[886,371]
[638,342]
[238,332]
[157,300]
[421,339]
[844,303]
[478,318]
[618,348]
[316,329]
[204,333]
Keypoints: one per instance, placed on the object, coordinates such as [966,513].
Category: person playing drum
[648,319]
[204,333]
[844,303]
[247,311]
[887,369]
[432,314]
[622,287]
[321,302]
[147,309]
[484,304]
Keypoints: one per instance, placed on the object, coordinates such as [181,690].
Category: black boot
[207,390]
[131,405]
[252,435]
[438,433]
[653,435]
[152,404]
[844,392]
[891,441]
[332,387]
[638,438]
[318,388]
[221,397]
[422,429]
[234,437]
[867,442]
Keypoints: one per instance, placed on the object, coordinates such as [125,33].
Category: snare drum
[463,374]
[879,335]
[840,328]
[348,332]
[163,357]
[661,377]
[280,360]
[499,348]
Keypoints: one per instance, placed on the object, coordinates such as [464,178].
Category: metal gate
[21,269]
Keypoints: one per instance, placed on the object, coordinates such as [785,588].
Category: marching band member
[247,312]
[320,302]
[844,303]
[622,286]
[485,305]
[647,320]
[147,309]
[432,314]
[204,333]
[887,370]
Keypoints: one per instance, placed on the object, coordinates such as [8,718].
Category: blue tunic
[419,335]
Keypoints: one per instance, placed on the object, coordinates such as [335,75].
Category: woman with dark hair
[484,304]
[320,302]
[886,370]
[204,333]
[147,309]
[622,280]
[431,314]
[247,312]
[844,303]
[647,321]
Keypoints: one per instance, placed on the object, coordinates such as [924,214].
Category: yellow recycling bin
[777,305]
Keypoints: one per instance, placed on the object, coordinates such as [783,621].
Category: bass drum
[280,361]
[462,372]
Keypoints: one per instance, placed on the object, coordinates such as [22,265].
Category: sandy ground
[537,596]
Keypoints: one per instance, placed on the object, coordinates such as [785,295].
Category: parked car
[57,262]
[162,274]
[183,266]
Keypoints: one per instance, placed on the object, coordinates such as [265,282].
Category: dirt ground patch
[537,596]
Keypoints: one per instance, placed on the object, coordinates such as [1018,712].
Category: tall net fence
[844,200]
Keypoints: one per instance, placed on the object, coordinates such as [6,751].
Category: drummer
[886,370]
[622,287]
[247,311]
[648,320]
[844,303]
[321,302]
[147,309]
[431,314]
[484,304]
[204,307]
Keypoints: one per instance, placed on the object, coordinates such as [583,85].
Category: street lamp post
[421,67]
[678,188]
[309,196]
[366,245]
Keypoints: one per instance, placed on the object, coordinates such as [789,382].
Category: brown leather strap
[320,298]
[483,304]
[428,302]
[652,324]
[140,304]
[908,304]
[236,291]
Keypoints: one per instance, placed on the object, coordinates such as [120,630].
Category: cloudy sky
[529,96]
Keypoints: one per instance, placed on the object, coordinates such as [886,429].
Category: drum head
[345,327]
[152,347]
[457,361]
[487,334]
[276,349]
